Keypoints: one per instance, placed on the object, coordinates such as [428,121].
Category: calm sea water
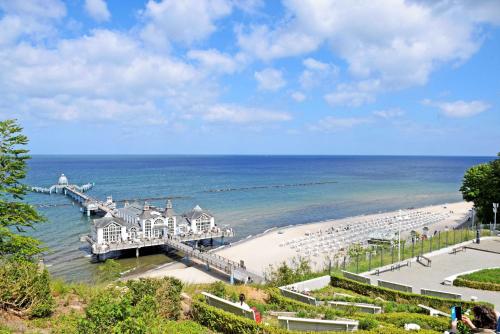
[250,193]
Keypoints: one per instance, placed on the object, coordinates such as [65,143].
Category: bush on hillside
[139,307]
[398,296]
[25,289]
[476,285]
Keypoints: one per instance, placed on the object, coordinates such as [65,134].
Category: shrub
[367,324]
[184,327]
[459,281]
[25,290]
[398,296]
[218,289]
[168,297]
[108,271]
[105,312]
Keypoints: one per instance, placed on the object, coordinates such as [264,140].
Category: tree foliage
[25,289]
[15,215]
[284,273]
[481,185]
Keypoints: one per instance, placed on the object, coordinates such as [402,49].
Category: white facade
[135,222]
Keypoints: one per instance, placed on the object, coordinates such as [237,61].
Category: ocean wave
[289,185]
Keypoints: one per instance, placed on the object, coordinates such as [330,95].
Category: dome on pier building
[63,180]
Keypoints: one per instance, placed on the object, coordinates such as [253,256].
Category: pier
[137,226]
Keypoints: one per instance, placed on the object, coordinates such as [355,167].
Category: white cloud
[184,21]
[316,73]
[331,124]
[270,79]
[32,19]
[244,115]
[215,61]
[353,95]
[396,42]
[98,10]
[459,109]
[266,44]
[389,113]
[298,96]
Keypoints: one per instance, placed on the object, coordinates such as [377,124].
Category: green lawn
[485,275]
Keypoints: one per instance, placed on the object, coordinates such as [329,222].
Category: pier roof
[196,213]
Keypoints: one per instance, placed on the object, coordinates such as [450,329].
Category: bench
[395,286]
[298,296]
[226,305]
[433,312]
[365,308]
[356,277]
[458,249]
[421,259]
[317,325]
[440,294]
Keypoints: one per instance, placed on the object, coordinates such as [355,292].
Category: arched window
[203,223]
[157,231]
[133,233]
[112,233]
[147,229]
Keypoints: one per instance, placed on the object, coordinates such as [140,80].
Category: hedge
[397,318]
[476,284]
[399,296]
[228,323]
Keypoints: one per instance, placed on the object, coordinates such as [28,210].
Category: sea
[249,193]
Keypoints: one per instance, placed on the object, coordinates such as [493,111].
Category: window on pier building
[203,223]
[171,226]
[112,233]
[133,233]
[157,232]
[147,229]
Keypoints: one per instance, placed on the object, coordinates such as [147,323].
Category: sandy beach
[261,251]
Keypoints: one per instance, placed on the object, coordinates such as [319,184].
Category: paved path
[445,265]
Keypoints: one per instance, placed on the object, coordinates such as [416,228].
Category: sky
[392,77]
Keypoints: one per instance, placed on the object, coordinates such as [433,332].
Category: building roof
[105,221]
[134,209]
[63,180]
[196,213]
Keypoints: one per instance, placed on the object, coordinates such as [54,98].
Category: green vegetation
[398,296]
[481,185]
[283,274]
[486,279]
[15,214]
[485,275]
[25,287]
[142,306]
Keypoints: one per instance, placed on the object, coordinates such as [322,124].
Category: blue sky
[253,77]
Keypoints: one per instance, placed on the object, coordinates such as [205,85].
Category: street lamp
[495,209]
[399,236]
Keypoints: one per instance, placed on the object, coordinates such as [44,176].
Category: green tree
[481,185]
[15,215]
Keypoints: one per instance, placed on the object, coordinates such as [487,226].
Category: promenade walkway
[445,265]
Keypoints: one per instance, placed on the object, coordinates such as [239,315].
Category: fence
[376,256]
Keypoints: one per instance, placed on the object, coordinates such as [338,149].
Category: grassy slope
[485,275]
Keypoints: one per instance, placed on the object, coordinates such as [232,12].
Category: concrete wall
[298,296]
[356,277]
[312,284]
[395,286]
[228,306]
[440,294]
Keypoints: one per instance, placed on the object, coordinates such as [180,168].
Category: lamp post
[495,209]
[399,236]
